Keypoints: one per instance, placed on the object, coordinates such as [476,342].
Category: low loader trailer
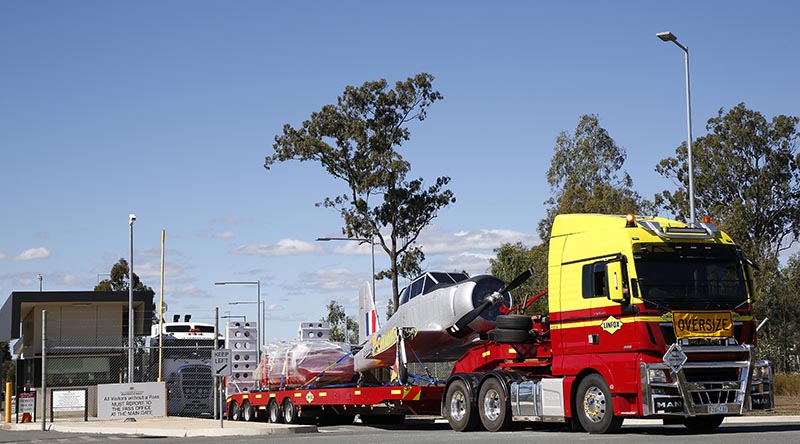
[647,318]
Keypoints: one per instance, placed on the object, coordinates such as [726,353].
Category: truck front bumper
[707,386]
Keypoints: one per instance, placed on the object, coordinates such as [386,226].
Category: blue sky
[167,110]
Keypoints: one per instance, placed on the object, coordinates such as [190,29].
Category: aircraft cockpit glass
[428,282]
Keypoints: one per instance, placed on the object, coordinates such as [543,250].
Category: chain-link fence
[181,358]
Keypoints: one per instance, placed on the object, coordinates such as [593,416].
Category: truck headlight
[762,371]
[657,375]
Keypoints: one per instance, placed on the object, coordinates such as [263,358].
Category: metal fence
[75,358]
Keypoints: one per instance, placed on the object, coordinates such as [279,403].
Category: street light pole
[259,328]
[131,219]
[670,37]
[362,240]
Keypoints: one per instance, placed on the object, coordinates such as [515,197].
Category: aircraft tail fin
[367,315]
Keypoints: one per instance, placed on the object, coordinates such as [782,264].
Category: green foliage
[586,176]
[343,328]
[356,141]
[8,369]
[118,280]
[780,335]
[513,259]
[747,177]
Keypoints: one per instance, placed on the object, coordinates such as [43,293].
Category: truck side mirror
[614,275]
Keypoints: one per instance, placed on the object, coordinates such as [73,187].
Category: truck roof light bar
[701,231]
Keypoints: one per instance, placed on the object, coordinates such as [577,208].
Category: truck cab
[661,312]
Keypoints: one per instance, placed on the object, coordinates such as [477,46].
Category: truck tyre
[458,408]
[514,322]
[274,413]
[593,406]
[234,414]
[248,413]
[494,406]
[511,336]
[703,423]
[290,415]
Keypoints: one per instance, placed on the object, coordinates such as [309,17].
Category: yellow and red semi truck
[648,318]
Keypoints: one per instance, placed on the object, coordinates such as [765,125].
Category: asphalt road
[420,433]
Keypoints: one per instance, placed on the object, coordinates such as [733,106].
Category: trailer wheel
[494,406]
[594,407]
[248,413]
[511,336]
[234,414]
[458,408]
[514,322]
[274,413]
[703,423]
[290,412]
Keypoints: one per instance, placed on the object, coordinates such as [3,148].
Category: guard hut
[87,335]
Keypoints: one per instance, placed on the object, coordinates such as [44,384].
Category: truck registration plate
[694,324]
[717,409]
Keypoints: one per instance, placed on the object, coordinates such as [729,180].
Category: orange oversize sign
[702,324]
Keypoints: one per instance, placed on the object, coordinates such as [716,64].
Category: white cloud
[473,263]
[151,269]
[333,280]
[223,234]
[284,247]
[27,255]
[434,241]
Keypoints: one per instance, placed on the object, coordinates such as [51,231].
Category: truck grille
[196,382]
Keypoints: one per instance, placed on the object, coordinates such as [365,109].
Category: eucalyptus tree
[357,140]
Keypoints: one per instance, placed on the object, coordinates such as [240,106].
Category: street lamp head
[667,36]
[131,218]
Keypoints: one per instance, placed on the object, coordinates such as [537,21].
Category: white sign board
[221,362]
[26,403]
[120,401]
[68,400]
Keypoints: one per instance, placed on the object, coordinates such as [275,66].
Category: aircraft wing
[420,345]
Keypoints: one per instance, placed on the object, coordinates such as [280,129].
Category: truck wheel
[494,406]
[510,336]
[514,322]
[274,413]
[234,414]
[458,408]
[594,407]
[248,413]
[703,423]
[290,412]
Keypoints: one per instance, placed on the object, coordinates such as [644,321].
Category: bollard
[8,401]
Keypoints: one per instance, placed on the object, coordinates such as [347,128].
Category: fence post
[44,370]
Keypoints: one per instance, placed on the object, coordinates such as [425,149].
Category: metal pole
[259,328]
[216,379]
[670,37]
[40,283]
[692,215]
[161,313]
[44,370]
[132,218]
[373,269]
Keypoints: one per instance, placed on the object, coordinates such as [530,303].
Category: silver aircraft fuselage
[429,309]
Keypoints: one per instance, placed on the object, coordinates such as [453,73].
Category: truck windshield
[690,276]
